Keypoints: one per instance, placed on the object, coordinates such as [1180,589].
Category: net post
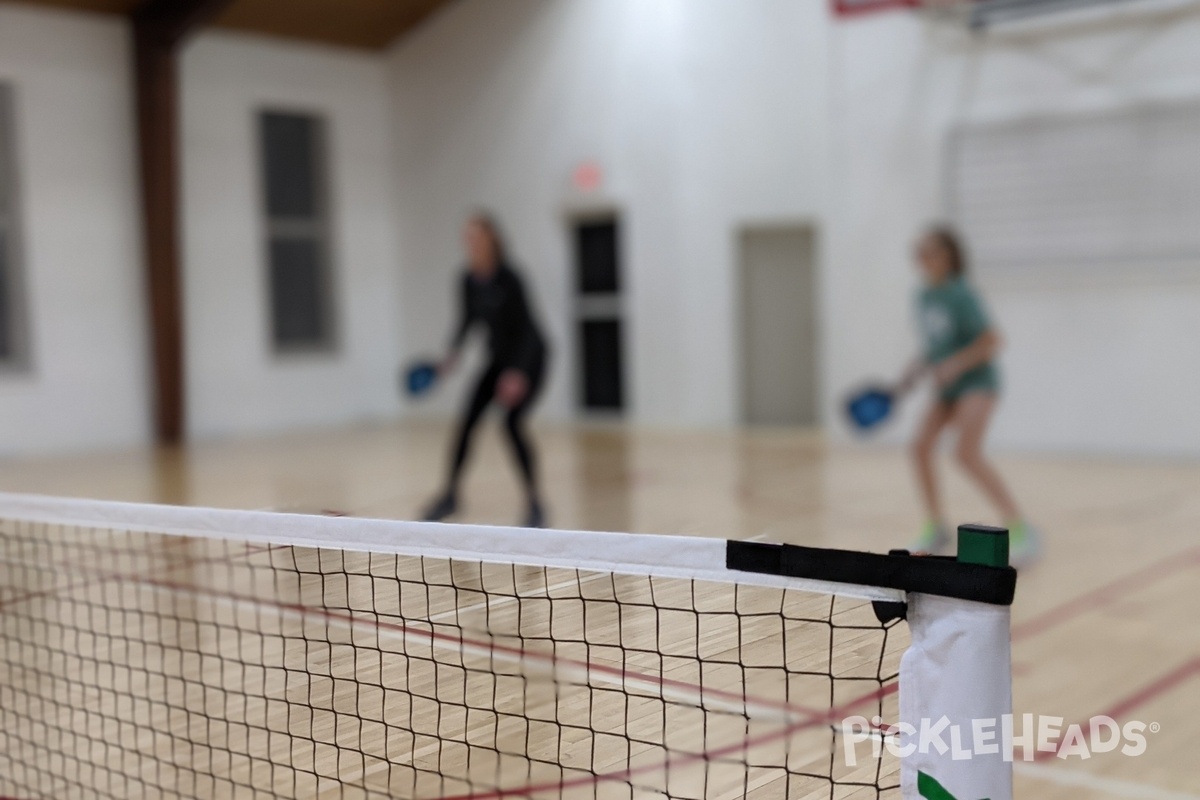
[958,672]
[983,544]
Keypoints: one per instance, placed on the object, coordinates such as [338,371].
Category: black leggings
[480,399]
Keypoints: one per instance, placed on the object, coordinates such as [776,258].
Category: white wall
[706,114]
[1105,359]
[87,386]
[703,115]
[236,385]
[79,200]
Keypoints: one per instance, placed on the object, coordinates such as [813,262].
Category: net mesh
[145,665]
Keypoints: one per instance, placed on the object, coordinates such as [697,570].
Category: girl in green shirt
[959,353]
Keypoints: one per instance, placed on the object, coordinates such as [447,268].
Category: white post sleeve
[955,689]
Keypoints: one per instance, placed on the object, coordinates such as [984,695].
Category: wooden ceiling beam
[369,24]
[159,27]
[165,23]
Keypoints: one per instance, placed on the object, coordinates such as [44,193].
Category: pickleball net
[150,651]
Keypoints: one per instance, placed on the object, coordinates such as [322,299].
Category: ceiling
[370,24]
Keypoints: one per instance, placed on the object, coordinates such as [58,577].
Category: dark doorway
[602,363]
[597,253]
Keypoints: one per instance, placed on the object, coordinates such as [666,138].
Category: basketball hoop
[853,8]
[976,13]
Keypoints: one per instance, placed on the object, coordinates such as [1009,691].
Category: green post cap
[983,544]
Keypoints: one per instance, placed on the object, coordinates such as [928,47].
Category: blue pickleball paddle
[419,378]
[869,407]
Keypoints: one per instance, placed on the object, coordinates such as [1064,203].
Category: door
[599,314]
[779,331]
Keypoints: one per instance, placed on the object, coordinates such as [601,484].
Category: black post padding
[765,559]
[886,611]
[934,575]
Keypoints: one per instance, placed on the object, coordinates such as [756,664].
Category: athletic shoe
[439,509]
[535,516]
[933,540]
[1024,545]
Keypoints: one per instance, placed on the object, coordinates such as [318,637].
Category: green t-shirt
[952,317]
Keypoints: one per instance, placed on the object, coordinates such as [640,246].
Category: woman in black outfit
[492,294]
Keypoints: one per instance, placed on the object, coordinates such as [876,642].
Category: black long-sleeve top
[501,304]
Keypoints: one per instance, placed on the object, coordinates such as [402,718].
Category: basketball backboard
[977,13]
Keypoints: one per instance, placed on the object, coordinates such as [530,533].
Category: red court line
[519,652]
[832,715]
[1144,695]
[1153,690]
[351,619]
[810,717]
[21,598]
[1107,594]
[104,577]
[1102,597]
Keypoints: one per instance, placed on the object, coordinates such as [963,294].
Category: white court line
[1109,786]
[582,673]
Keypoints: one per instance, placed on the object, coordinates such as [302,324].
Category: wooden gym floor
[1104,624]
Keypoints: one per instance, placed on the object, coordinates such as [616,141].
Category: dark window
[12,318]
[602,359]
[597,250]
[295,191]
[292,145]
[297,293]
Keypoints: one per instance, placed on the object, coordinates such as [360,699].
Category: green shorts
[984,378]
